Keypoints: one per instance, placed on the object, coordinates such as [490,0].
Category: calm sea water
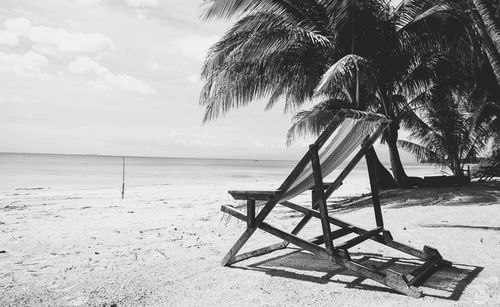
[27,171]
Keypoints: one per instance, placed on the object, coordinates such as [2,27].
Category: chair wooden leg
[250,213]
[392,279]
[228,259]
[313,248]
[259,252]
[370,161]
[320,197]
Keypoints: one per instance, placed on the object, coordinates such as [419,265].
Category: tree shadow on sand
[446,283]
[476,193]
[482,194]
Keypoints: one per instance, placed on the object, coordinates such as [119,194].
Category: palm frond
[346,72]
[315,120]
[422,153]
[253,61]
[308,11]
[486,111]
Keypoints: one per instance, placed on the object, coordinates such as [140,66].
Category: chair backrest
[347,131]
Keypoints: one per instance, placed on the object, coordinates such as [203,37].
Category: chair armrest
[255,195]
[326,185]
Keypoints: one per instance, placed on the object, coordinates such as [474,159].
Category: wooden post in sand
[123,178]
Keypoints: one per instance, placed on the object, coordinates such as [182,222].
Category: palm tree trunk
[457,168]
[396,165]
[490,35]
[392,138]
[382,175]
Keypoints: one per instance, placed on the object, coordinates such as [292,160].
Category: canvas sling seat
[348,130]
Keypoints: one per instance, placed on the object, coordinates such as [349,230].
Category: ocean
[20,171]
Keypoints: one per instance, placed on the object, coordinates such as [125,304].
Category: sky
[121,77]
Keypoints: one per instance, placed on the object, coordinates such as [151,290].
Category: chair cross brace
[320,193]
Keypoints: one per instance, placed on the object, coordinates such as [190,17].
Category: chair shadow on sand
[446,283]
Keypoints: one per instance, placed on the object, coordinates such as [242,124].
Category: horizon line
[138,156]
[163,157]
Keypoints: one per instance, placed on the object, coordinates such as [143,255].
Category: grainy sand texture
[162,246]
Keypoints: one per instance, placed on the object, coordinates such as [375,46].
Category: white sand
[162,246]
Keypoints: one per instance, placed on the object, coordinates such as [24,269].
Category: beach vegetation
[366,55]
[445,128]
[481,18]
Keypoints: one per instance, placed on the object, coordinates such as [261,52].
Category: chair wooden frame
[339,254]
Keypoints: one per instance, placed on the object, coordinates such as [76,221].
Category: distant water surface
[30,171]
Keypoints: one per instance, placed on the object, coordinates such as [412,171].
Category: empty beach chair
[349,130]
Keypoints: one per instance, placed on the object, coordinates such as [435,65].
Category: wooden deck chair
[348,130]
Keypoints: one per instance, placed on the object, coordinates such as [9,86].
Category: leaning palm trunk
[382,176]
[397,167]
[457,166]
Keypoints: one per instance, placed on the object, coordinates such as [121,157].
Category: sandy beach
[124,124]
[162,245]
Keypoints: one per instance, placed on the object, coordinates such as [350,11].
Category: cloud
[8,38]
[142,3]
[106,80]
[27,65]
[82,65]
[195,46]
[46,41]
[50,40]
[143,8]
[19,26]
[13,29]
[124,82]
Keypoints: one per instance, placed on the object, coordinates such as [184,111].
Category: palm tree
[486,23]
[489,113]
[279,50]
[482,13]
[477,15]
[339,78]
[489,168]
[445,127]
[482,18]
